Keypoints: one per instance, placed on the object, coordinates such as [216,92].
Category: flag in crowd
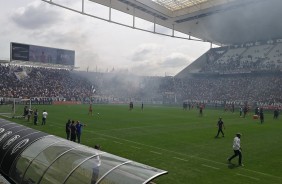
[21,75]
[93,90]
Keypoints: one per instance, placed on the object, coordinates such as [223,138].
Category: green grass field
[178,141]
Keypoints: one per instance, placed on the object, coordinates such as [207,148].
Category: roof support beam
[110,11]
[82,6]
[118,23]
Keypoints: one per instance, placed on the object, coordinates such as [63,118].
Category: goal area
[13,107]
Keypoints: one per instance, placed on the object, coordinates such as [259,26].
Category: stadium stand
[243,59]
[231,55]
[251,85]
[27,82]
[246,73]
[249,73]
[273,58]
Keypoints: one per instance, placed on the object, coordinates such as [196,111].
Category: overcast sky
[98,44]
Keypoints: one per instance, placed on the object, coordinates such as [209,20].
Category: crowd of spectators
[249,73]
[42,82]
[265,57]
[68,85]
[260,87]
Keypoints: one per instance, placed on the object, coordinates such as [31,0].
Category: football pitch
[178,141]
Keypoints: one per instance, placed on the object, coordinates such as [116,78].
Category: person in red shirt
[90,110]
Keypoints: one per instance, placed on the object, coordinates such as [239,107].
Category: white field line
[254,178]
[265,174]
[210,166]
[117,142]
[158,153]
[178,153]
[183,154]
[180,159]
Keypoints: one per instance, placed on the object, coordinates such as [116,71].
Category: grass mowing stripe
[177,133]
[159,126]
[183,154]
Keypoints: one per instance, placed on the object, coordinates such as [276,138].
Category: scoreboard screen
[19,52]
[34,53]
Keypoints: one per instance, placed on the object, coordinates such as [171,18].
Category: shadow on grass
[232,166]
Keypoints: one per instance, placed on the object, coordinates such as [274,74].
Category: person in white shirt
[44,117]
[97,164]
[237,149]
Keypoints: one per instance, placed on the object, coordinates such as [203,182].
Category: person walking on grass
[220,126]
[237,149]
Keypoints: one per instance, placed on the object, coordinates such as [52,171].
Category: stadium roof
[175,5]
[223,22]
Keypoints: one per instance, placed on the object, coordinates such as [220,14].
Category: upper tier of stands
[245,58]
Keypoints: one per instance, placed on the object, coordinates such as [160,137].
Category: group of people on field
[237,140]
[28,113]
[74,130]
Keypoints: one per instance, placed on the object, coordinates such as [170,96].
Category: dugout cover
[31,156]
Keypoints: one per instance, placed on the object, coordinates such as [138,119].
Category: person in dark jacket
[220,126]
